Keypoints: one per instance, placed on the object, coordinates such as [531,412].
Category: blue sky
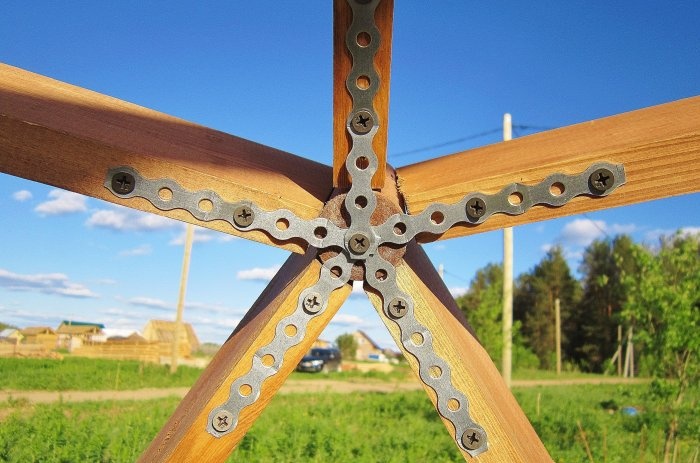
[262,70]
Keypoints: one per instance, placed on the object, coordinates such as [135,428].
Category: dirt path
[290,387]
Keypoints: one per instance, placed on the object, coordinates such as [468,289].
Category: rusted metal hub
[335,211]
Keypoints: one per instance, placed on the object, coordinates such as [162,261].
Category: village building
[73,334]
[40,335]
[322,344]
[11,335]
[367,349]
[162,331]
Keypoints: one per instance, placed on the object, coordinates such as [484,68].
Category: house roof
[364,335]
[76,323]
[162,331]
[34,330]
[7,332]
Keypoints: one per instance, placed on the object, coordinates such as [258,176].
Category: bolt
[362,122]
[359,243]
[313,302]
[601,180]
[123,183]
[476,208]
[472,438]
[222,421]
[243,216]
[398,307]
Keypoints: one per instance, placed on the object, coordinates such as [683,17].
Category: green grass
[76,373]
[367,427]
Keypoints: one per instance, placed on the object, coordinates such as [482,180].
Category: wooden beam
[511,436]
[658,146]
[184,438]
[342,102]
[68,137]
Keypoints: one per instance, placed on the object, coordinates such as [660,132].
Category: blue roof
[74,323]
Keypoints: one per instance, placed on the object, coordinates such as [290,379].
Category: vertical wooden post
[189,234]
[507,354]
[619,350]
[557,332]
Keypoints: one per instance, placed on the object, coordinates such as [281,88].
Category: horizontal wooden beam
[342,102]
[184,437]
[658,146]
[68,137]
[511,437]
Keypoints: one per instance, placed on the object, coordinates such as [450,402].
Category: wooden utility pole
[619,350]
[507,355]
[557,332]
[189,235]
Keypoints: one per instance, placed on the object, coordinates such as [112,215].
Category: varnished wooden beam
[491,404]
[342,102]
[184,438]
[658,146]
[68,137]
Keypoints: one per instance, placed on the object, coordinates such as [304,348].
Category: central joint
[359,243]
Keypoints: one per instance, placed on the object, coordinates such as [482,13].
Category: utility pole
[557,332]
[189,235]
[507,354]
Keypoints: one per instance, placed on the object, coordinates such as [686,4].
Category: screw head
[359,243]
[362,122]
[398,307]
[313,302]
[222,421]
[243,216]
[601,180]
[123,183]
[476,208]
[472,438]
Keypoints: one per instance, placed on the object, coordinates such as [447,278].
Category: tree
[348,346]
[604,262]
[663,305]
[533,305]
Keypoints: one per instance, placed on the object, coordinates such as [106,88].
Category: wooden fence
[143,352]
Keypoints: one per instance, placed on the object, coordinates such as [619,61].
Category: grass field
[356,427]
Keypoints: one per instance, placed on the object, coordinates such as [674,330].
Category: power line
[470,137]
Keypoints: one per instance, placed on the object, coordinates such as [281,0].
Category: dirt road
[291,386]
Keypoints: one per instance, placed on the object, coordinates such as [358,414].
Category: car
[320,359]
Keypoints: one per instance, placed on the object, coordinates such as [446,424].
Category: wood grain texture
[342,102]
[658,146]
[184,437]
[68,137]
[511,436]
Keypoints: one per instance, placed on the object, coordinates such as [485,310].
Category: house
[321,344]
[11,335]
[163,331]
[40,335]
[367,349]
[73,334]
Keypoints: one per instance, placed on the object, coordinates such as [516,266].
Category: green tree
[348,346]
[533,306]
[663,305]
[604,262]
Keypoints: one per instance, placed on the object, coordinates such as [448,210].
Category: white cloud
[202,235]
[47,283]
[123,219]
[150,302]
[258,273]
[142,250]
[22,195]
[62,202]
[209,307]
[348,320]
[458,291]
[655,235]
[582,232]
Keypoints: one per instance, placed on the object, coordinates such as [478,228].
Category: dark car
[320,359]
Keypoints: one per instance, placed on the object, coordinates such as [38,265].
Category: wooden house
[11,335]
[367,349]
[322,344]
[40,335]
[162,331]
[73,334]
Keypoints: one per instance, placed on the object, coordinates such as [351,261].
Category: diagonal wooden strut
[68,137]
[184,437]
[491,404]
[658,146]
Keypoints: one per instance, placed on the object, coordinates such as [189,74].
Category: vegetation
[367,427]
[76,373]
[347,345]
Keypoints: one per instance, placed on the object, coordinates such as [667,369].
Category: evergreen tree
[533,305]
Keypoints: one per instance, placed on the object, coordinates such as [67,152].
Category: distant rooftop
[76,323]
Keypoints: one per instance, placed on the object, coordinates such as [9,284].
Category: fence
[143,352]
